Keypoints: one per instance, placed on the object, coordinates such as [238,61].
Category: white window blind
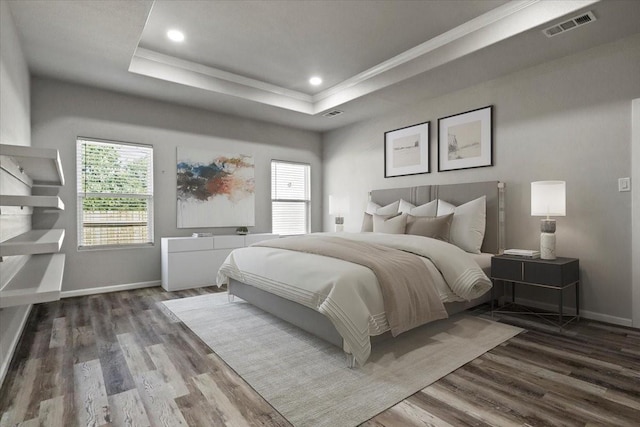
[115,193]
[290,197]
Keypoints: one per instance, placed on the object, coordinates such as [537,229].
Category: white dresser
[193,262]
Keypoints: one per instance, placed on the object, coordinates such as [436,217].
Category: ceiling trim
[169,68]
[443,39]
[489,28]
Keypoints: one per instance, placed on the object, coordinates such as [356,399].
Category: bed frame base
[314,322]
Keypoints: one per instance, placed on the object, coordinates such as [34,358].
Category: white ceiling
[253,58]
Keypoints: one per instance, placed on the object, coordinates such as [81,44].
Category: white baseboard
[105,289]
[4,365]
[592,315]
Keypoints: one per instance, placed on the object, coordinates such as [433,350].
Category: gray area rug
[306,379]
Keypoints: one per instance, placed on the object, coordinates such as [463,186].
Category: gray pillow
[394,225]
[434,227]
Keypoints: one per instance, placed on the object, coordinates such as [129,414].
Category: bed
[288,284]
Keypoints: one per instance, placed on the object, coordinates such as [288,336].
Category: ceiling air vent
[332,113]
[572,23]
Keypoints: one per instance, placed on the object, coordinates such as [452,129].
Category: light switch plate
[624,184]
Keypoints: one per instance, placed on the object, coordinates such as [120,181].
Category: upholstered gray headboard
[457,194]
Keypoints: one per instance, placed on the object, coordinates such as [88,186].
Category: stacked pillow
[463,225]
[388,211]
[469,221]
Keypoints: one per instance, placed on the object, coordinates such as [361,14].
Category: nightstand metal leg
[560,303]
[577,285]
[513,292]
[493,295]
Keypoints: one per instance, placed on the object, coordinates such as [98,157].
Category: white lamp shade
[338,205]
[548,198]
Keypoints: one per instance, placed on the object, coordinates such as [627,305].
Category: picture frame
[406,151]
[465,140]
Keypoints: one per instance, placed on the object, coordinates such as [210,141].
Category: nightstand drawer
[507,269]
[558,272]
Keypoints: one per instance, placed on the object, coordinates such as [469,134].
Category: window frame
[80,196]
[306,202]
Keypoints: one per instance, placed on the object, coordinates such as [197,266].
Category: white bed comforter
[348,294]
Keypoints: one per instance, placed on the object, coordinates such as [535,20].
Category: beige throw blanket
[410,299]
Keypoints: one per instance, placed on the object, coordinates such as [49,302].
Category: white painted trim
[443,39]
[505,21]
[4,367]
[219,74]
[635,211]
[592,315]
[106,289]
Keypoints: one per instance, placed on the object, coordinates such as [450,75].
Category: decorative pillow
[428,209]
[469,221]
[367,221]
[394,225]
[434,227]
[375,209]
[390,209]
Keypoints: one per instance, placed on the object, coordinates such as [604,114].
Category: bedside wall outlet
[624,184]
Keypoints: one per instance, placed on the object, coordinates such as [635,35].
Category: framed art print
[214,189]
[406,151]
[465,140]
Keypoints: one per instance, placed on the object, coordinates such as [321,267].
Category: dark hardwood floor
[119,360]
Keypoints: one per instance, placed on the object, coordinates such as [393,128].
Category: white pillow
[376,209]
[469,222]
[428,209]
[393,225]
[367,221]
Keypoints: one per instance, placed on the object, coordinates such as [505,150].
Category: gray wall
[63,111]
[15,129]
[569,120]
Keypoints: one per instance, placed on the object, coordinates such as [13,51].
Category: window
[290,197]
[115,194]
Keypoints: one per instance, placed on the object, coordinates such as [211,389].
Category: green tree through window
[115,191]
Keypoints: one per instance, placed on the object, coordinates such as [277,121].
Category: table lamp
[338,206]
[548,198]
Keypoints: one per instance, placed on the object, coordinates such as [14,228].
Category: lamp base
[547,246]
[339,223]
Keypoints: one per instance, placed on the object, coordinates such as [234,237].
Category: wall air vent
[572,23]
[332,113]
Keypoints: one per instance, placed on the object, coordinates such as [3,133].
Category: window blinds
[290,197]
[115,193]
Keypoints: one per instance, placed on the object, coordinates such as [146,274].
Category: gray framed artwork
[406,151]
[465,140]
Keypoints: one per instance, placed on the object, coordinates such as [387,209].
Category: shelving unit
[49,202]
[33,242]
[40,278]
[41,165]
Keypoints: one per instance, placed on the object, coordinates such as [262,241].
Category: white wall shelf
[40,280]
[49,202]
[33,242]
[41,165]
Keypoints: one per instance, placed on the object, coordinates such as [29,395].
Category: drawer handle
[522,271]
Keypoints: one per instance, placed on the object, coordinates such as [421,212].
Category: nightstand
[557,275]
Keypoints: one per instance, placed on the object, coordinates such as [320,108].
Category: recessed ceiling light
[175,35]
[315,81]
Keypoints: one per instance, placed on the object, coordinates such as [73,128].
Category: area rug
[307,380]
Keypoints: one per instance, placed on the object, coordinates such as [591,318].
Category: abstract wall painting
[465,140]
[215,189]
[406,151]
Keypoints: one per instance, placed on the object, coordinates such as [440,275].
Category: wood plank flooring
[120,360]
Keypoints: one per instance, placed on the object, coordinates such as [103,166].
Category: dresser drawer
[558,272]
[188,244]
[228,242]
